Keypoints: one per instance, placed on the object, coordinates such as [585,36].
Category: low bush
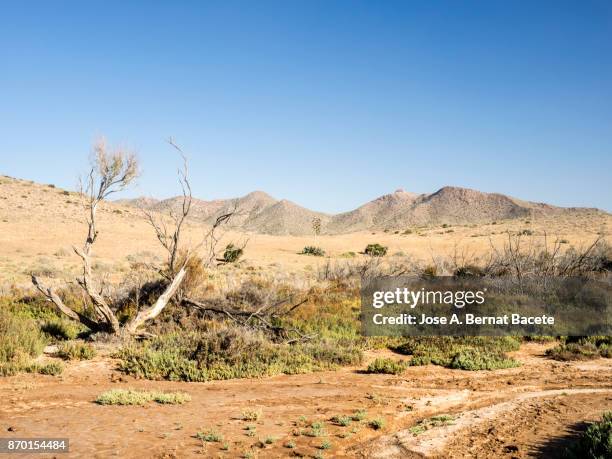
[229,353]
[314,251]
[375,250]
[76,351]
[136,397]
[595,442]
[232,253]
[387,366]
[466,353]
[20,341]
[582,348]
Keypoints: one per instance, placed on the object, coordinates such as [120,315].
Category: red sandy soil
[530,411]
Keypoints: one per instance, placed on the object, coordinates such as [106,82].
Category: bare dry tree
[113,171]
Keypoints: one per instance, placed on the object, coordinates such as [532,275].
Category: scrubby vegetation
[229,353]
[20,341]
[76,351]
[465,353]
[314,251]
[595,442]
[582,348]
[375,250]
[387,366]
[138,397]
[232,254]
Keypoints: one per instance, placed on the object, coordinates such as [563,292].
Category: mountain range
[258,212]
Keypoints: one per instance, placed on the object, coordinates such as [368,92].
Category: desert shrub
[50,368]
[480,359]
[61,329]
[468,353]
[76,351]
[20,340]
[232,253]
[429,272]
[595,442]
[582,348]
[375,250]
[387,366]
[314,251]
[377,424]
[136,397]
[229,353]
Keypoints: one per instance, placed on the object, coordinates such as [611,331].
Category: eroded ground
[529,411]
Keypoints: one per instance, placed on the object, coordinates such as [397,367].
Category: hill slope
[259,212]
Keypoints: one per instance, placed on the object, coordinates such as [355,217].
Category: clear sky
[326,103]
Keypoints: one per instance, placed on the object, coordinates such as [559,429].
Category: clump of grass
[325,445]
[76,351]
[232,253]
[434,421]
[290,444]
[359,415]
[251,415]
[269,440]
[343,421]
[317,429]
[378,423]
[210,436]
[136,397]
[595,442]
[386,365]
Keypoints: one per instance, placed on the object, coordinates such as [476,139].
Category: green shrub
[61,329]
[314,251]
[136,397]
[467,353]
[387,366]
[584,348]
[595,442]
[76,351]
[480,359]
[20,341]
[232,253]
[378,423]
[51,368]
[229,353]
[375,250]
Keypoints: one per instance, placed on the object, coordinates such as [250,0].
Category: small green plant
[314,251]
[375,250]
[210,436]
[343,421]
[269,440]
[76,351]
[595,442]
[359,415]
[136,397]
[325,445]
[387,366]
[316,430]
[225,447]
[290,444]
[232,253]
[378,423]
[51,368]
[434,421]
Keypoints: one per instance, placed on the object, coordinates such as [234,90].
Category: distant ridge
[258,212]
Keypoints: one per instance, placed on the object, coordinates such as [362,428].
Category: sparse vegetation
[582,348]
[76,351]
[377,423]
[387,366]
[138,397]
[314,251]
[375,250]
[595,442]
[434,421]
[232,253]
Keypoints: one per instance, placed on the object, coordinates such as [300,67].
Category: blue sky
[326,103]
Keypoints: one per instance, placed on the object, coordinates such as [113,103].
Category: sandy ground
[530,411]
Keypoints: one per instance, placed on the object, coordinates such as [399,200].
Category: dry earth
[530,411]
